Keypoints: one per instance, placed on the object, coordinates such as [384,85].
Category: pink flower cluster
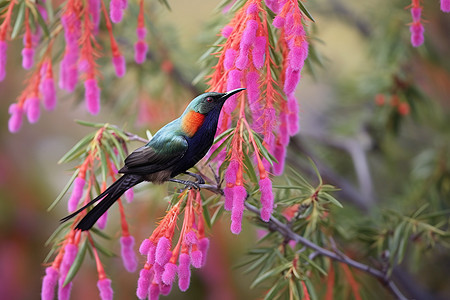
[41,87]
[246,61]
[55,275]
[161,269]
[416,28]
[445,5]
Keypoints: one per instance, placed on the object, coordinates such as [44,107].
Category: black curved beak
[231,93]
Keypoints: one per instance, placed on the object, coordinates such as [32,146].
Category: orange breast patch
[191,122]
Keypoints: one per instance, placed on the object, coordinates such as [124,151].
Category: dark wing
[159,154]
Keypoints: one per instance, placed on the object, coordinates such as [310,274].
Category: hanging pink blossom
[265,186]
[104,286]
[27,58]
[239,196]
[48,91]
[170,271]
[92,96]
[15,121]
[445,5]
[184,272]
[127,252]
[32,109]
[77,192]
[145,276]
[119,65]
[49,283]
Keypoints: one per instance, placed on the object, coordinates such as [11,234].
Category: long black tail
[108,197]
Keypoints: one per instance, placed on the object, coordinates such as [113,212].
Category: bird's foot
[199,178]
[187,183]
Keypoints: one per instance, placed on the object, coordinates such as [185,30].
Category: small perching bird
[174,149]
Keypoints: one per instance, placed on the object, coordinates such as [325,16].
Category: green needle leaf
[76,264]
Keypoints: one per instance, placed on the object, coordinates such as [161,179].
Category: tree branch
[285,231]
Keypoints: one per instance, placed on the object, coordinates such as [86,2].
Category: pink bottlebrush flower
[242,60]
[265,186]
[416,13]
[72,29]
[15,121]
[249,34]
[49,283]
[141,33]
[119,65]
[48,91]
[230,174]
[145,246]
[158,272]
[77,192]
[101,223]
[226,31]
[151,255]
[94,11]
[165,289]
[293,120]
[252,9]
[283,133]
[417,31]
[253,90]
[196,259]
[278,22]
[280,155]
[273,5]
[128,254]
[104,286]
[32,109]
[124,4]
[140,51]
[230,179]
[203,246]
[27,58]
[83,66]
[68,77]
[162,248]
[239,196]
[70,253]
[143,283]
[153,293]
[445,5]
[129,195]
[92,96]
[234,82]
[184,272]
[297,56]
[3,50]
[170,271]
[230,56]
[190,238]
[259,51]
[228,193]
[116,11]
[291,81]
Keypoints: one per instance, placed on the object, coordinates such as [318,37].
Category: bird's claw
[199,178]
[187,183]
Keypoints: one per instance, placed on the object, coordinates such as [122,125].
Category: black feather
[108,197]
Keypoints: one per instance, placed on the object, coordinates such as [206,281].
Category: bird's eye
[209,99]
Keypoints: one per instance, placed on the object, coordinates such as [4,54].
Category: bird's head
[207,102]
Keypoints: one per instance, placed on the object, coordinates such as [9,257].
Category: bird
[173,150]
